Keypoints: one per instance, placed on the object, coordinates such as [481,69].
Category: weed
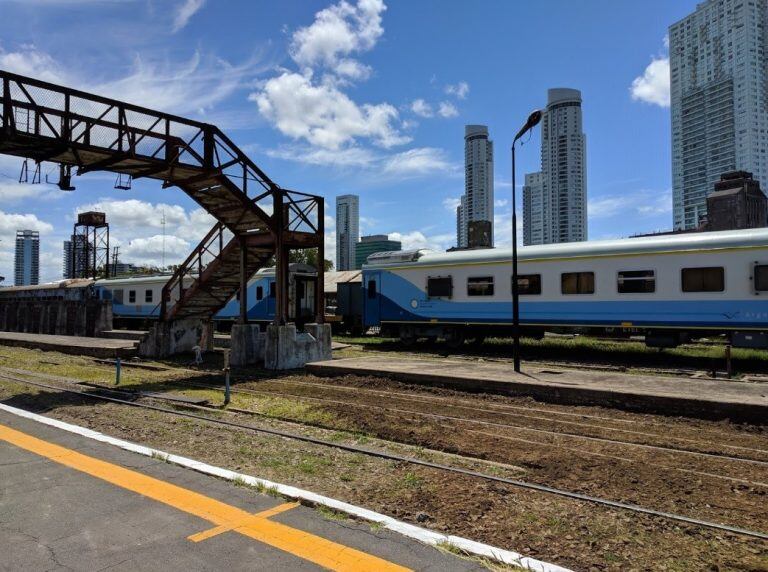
[331,514]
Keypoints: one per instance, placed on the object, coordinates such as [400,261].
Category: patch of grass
[412,480]
[283,408]
[376,526]
[330,514]
[313,464]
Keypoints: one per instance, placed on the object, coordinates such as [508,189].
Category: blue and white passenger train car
[136,299]
[669,287]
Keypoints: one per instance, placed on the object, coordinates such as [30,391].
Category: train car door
[372,304]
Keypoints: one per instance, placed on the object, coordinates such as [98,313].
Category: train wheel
[478,340]
[454,338]
[407,337]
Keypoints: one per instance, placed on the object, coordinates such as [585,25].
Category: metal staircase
[256,218]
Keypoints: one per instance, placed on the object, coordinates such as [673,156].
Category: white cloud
[149,251]
[330,237]
[191,86]
[184,13]
[30,61]
[417,240]
[422,108]
[346,157]
[636,205]
[653,86]
[323,115]
[447,109]
[418,161]
[451,203]
[310,104]
[338,31]
[460,90]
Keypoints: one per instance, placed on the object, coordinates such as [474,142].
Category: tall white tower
[477,201]
[347,230]
[27,259]
[719,105]
[555,200]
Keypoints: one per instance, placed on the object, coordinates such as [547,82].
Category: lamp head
[531,122]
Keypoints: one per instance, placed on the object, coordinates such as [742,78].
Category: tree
[308,256]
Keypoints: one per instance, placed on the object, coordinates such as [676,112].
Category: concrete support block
[176,336]
[61,320]
[288,349]
[104,318]
[247,343]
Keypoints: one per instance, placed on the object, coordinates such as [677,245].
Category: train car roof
[73,283]
[721,240]
[136,279]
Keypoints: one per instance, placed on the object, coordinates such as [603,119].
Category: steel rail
[411,460]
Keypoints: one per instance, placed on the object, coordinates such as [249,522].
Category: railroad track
[564,434]
[402,459]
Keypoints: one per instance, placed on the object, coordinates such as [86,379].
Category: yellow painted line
[302,544]
[216,530]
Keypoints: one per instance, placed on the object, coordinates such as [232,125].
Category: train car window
[528,284]
[259,292]
[131,296]
[761,277]
[480,286]
[371,288]
[711,279]
[117,296]
[439,286]
[577,282]
[272,289]
[637,282]
[148,296]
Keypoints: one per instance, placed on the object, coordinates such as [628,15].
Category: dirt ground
[585,449]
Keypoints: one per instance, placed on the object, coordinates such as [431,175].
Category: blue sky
[367,97]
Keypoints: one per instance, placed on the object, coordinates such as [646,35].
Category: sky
[353,96]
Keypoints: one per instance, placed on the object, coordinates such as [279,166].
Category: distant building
[27,260]
[372,244]
[533,208]
[556,208]
[73,260]
[719,109]
[347,230]
[119,268]
[477,201]
[66,260]
[737,202]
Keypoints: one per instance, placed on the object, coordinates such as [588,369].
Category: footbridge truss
[256,219]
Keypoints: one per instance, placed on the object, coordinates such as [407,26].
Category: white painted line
[409,530]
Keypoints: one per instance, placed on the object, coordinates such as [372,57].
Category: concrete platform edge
[417,533]
[692,407]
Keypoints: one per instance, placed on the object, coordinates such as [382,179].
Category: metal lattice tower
[90,246]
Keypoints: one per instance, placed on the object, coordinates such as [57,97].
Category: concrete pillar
[81,320]
[104,318]
[246,344]
[288,349]
[173,337]
[60,329]
[3,312]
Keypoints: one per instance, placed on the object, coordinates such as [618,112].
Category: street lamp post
[533,120]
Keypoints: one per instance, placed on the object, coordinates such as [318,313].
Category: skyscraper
[27,260]
[718,95]
[347,230]
[555,199]
[66,260]
[372,245]
[533,208]
[477,201]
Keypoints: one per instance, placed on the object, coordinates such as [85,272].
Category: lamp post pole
[533,120]
[515,286]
